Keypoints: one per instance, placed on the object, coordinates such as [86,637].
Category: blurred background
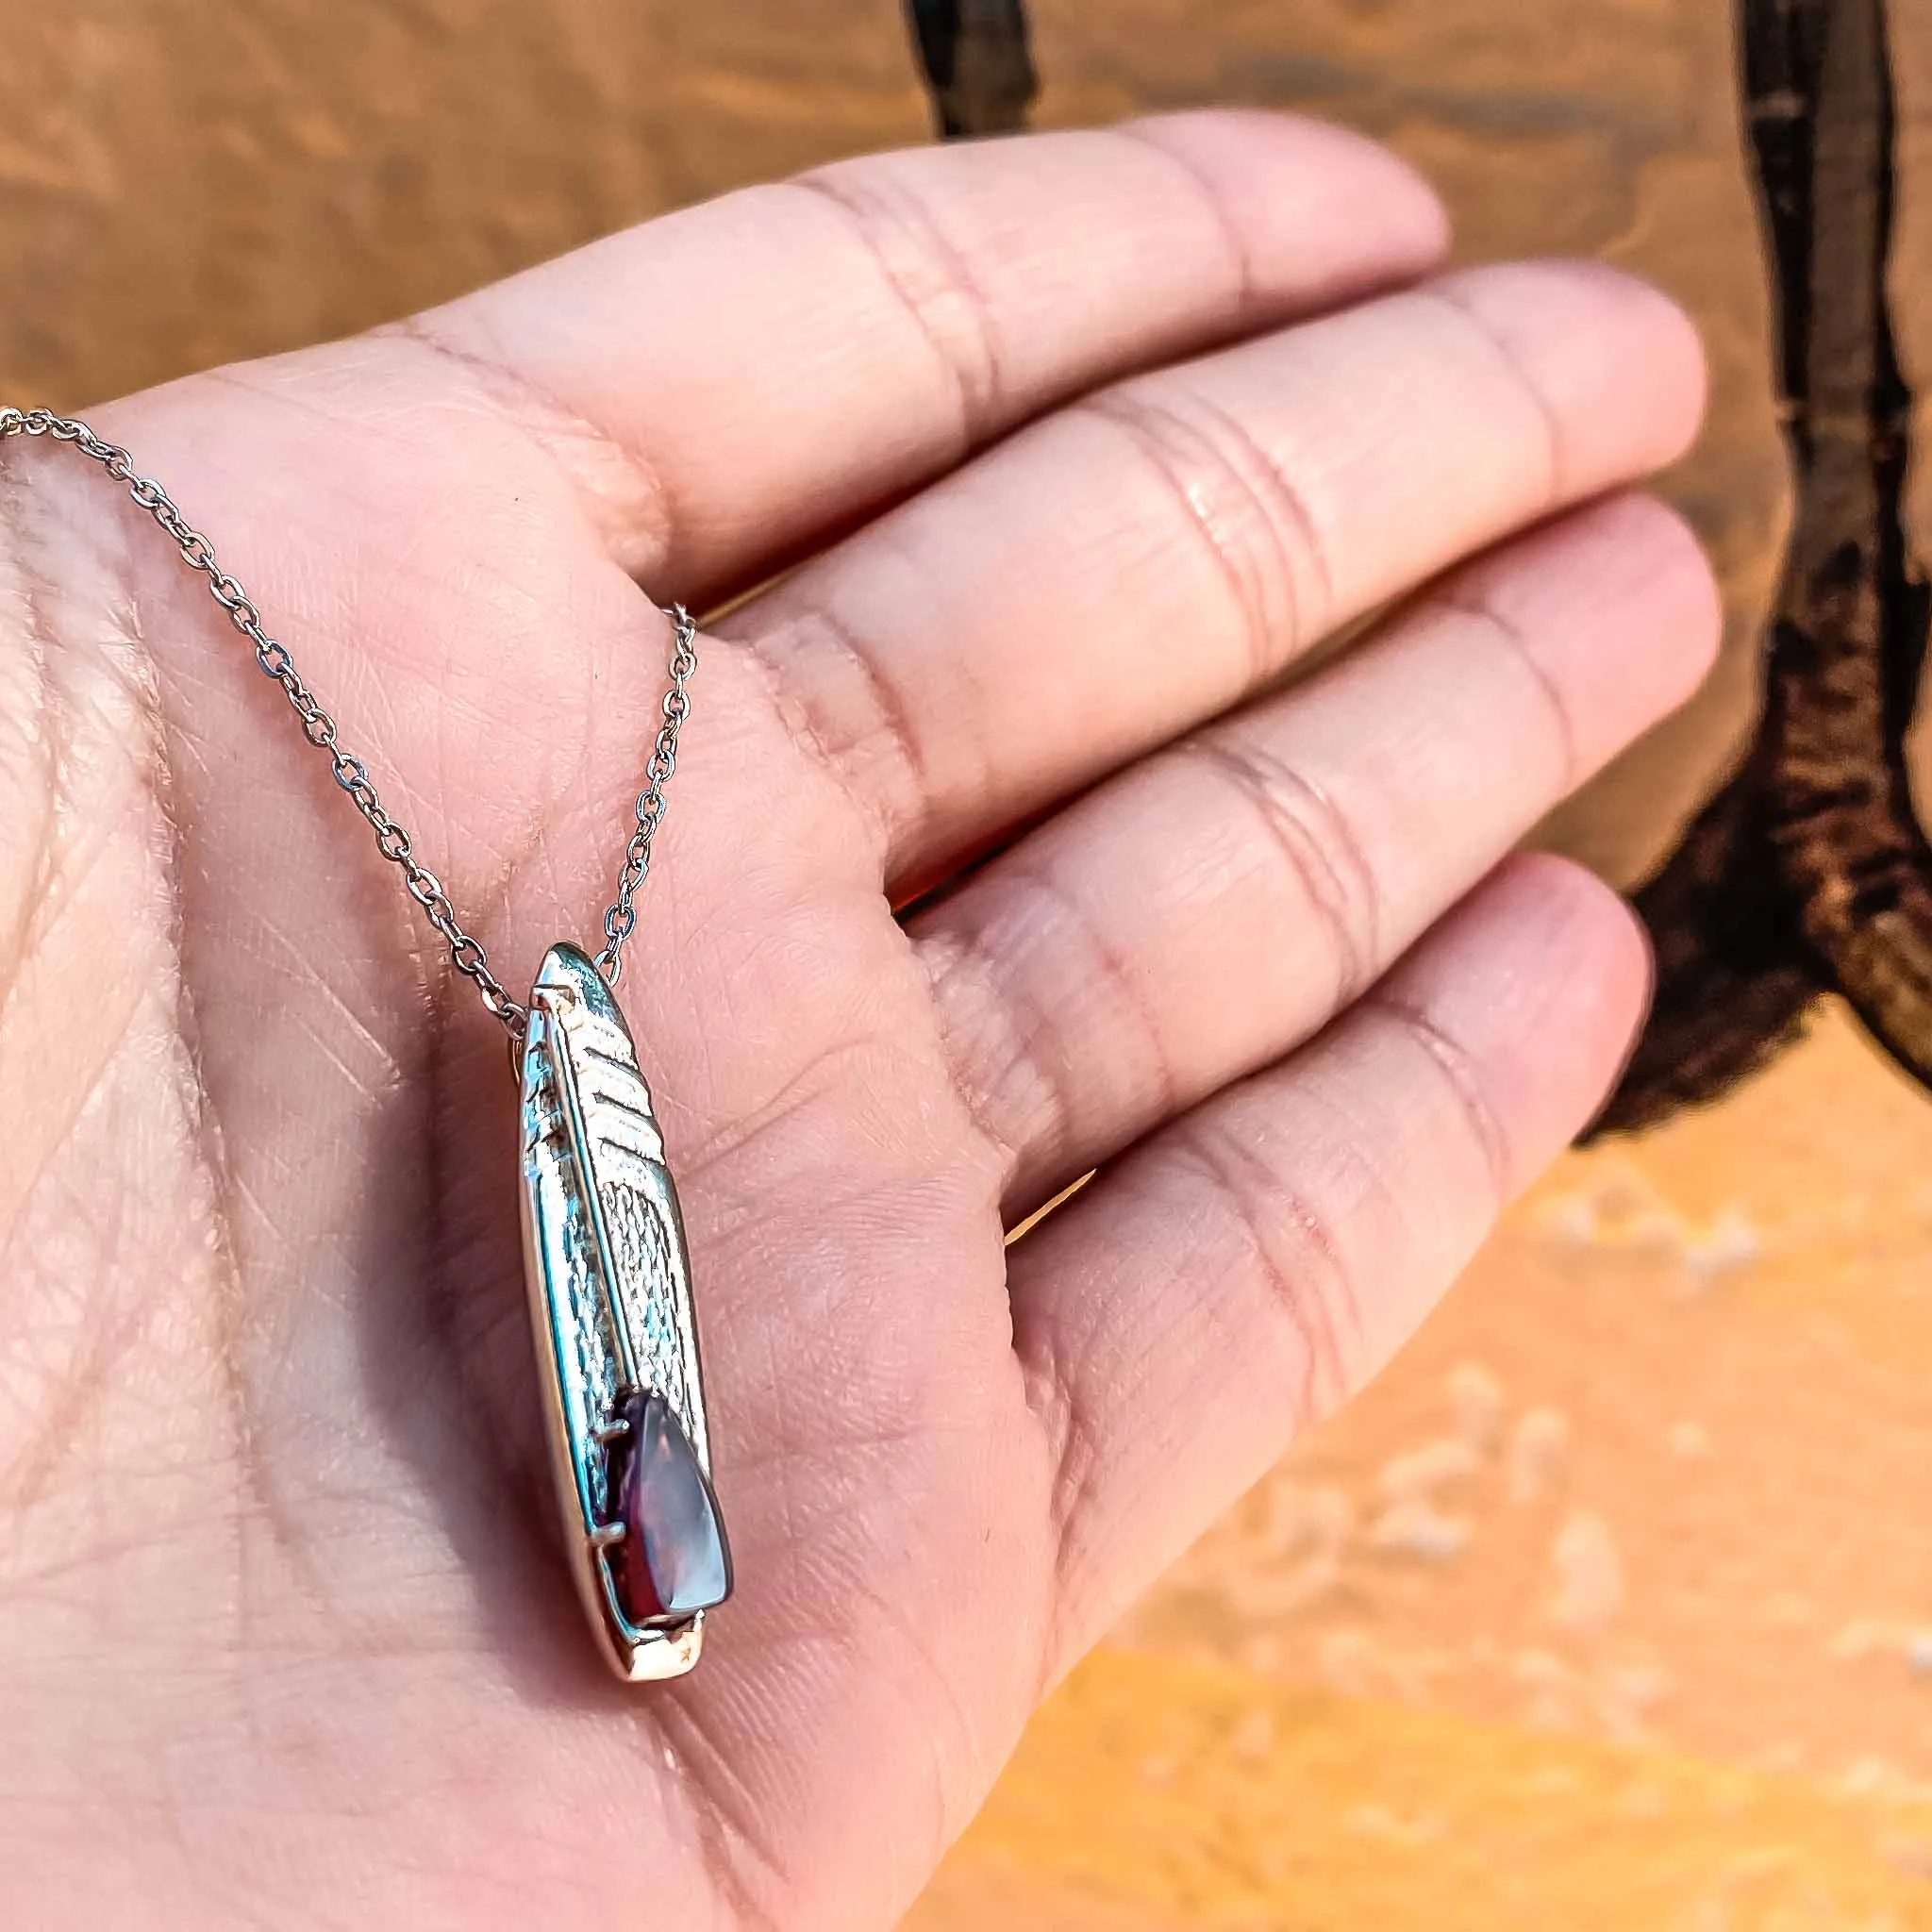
[1611,1605]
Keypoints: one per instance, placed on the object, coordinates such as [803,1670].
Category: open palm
[1032,470]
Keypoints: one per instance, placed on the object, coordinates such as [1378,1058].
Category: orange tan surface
[1205,1799]
[1608,1606]
[1611,1606]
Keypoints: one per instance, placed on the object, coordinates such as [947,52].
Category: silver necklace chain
[465,950]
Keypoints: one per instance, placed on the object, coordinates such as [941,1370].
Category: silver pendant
[617,1348]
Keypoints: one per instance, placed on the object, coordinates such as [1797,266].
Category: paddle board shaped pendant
[617,1348]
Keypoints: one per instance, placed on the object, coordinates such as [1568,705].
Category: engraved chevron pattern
[608,1277]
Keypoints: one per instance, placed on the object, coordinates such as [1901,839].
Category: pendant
[617,1348]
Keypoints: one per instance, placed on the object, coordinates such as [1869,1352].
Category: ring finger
[1200,914]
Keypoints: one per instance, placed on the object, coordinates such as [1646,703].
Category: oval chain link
[465,950]
[619,916]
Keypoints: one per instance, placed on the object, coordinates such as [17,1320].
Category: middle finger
[1143,559]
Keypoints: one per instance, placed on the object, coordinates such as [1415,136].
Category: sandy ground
[1611,1606]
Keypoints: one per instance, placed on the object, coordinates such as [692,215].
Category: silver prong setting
[610,1306]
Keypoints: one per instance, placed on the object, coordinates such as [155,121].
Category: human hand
[1089,438]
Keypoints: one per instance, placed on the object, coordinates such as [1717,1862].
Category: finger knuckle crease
[1536,400]
[1243,284]
[1462,1076]
[932,280]
[1255,525]
[990,1044]
[844,712]
[1482,608]
[1321,851]
[1297,1256]
[1031,1089]
[621,490]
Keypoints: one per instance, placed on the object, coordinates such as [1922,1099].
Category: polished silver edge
[569,993]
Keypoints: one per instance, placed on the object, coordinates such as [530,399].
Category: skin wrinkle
[709,1153]
[1459,1073]
[1555,486]
[1480,605]
[413,943]
[257,1504]
[1041,1136]
[1320,847]
[72,863]
[1074,1465]
[1241,1181]
[1192,465]
[1244,1182]
[968,359]
[953,957]
[552,427]
[1242,281]
[1296,514]
[108,1342]
[199,1114]
[41,596]
[802,716]
[968,1754]
[886,1438]
[93,1080]
[40,1581]
[69,1398]
[340,1008]
[724,1832]
[799,732]
[50,733]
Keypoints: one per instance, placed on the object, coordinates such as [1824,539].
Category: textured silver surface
[608,1276]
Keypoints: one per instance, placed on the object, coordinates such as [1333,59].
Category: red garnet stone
[674,1560]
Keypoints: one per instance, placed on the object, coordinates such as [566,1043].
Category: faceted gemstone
[673,1560]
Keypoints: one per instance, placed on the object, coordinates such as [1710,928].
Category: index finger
[729,384]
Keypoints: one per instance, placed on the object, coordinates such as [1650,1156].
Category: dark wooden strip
[978,63]
[1808,870]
